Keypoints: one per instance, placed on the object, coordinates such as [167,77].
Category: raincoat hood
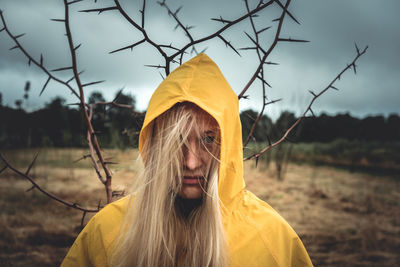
[201,82]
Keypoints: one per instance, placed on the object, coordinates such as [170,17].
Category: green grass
[360,155]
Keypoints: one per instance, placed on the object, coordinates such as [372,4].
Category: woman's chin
[191,191]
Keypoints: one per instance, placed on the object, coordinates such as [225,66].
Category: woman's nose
[192,157]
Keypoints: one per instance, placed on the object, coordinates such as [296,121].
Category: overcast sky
[332,27]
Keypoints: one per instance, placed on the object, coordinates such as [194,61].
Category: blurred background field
[342,199]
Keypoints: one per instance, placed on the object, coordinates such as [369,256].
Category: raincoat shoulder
[93,245]
[258,236]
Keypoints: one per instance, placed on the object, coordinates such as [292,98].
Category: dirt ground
[343,218]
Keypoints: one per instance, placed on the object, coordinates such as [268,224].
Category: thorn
[248,48]
[16,37]
[204,50]
[58,20]
[292,40]
[287,12]
[228,44]
[31,165]
[73,2]
[61,69]
[264,81]
[92,83]
[333,87]
[29,62]
[257,161]
[260,31]
[44,87]
[271,63]
[30,189]
[83,218]
[76,47]
[221,20]
[2,169]
[99,10]
[41,59]
[311,92]
[269,140]
[161,75]
[312,113]
[2,29]
[278,19]
[73,77]
[155,66]
[127,47]
[177,11]
[358,50]
[14,47]
[246,96]
[118,95]
[354,68]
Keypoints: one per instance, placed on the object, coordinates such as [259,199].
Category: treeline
[61,125]
[323,128]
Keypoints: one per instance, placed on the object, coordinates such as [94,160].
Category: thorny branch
[92,139]
[35,185]
[180,52]
[308,109]
[39,63]
[268,52]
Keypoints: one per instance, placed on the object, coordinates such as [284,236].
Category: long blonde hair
[154,232]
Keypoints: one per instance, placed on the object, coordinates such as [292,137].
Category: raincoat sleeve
[93,245]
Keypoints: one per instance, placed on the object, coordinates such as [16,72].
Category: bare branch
[155,66]
[267,53]
[292,40]
[128,47]
[50,195]
[92,140]
[99,10]
[308,109]
[32,60]
[287,12]
[220,19]
[175,16]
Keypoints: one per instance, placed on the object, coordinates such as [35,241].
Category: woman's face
[198,153]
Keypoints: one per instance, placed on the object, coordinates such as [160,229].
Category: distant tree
[18,103]
[393,127]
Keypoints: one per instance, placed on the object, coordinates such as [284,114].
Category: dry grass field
[343,218]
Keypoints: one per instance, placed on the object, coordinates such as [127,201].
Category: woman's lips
[192,179]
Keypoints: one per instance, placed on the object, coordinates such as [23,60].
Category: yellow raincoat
[257,235]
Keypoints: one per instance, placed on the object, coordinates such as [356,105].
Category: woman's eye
[208,139]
